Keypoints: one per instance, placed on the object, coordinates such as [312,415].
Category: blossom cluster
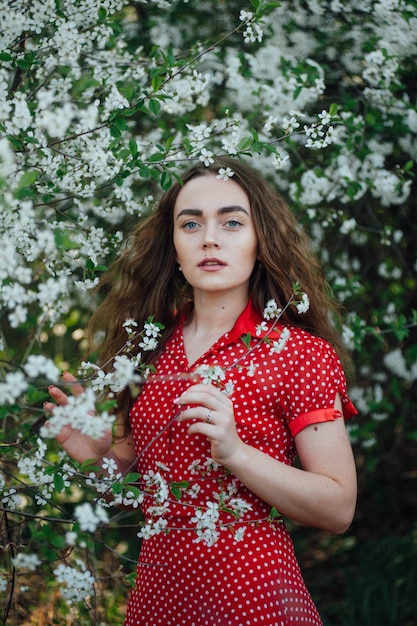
[77,582]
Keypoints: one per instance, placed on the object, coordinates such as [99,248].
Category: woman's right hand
[78,446]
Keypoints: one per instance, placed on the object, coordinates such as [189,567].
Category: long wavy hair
[145,279]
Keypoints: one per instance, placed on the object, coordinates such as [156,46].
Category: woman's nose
[211,239]
[208,243]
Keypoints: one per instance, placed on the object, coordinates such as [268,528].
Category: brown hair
[145,281]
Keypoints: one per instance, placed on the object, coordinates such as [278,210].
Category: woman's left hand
[214,413]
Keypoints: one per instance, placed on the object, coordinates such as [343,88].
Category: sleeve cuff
[313,417]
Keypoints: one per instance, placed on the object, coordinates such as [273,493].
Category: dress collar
[248,322]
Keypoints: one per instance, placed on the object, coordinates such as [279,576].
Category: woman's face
[214,235]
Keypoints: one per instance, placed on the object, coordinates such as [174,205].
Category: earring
[180,268]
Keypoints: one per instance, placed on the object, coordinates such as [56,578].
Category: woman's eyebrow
[222,211]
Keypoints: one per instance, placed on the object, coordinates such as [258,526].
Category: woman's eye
[233,223]
[190,225]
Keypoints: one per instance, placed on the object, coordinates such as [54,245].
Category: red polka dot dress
[212,554]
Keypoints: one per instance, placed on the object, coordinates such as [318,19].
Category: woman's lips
[211,264]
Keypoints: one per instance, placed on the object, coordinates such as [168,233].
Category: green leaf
[178,487]
[102,14]
[144,171]
[115,132]
[59,483]
[28,178]
[26,62]
[156,157]
[154,173]
[125,155]
[247,339]
[156,82]
[120,123]
[333,109]
[245,143]
[131,579]
[133,477]
[269,6]
[166,181]
[297,92]
[57,541]
[154,106]
[133,147]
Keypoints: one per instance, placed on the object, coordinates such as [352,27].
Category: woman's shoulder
[293,347]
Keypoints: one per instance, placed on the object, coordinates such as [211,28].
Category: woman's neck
[212,316]
[214,313]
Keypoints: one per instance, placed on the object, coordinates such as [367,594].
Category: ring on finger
[208,416]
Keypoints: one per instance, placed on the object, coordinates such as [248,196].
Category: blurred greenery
[366,577]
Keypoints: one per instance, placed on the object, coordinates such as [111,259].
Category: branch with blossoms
[48,483]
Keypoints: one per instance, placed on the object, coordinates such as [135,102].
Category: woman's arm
[321,494]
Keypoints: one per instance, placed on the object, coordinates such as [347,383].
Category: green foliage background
[81,170]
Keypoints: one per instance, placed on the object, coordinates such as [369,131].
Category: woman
[205,264]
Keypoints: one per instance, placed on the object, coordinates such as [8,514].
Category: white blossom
[78,583]
[304,304]
[80,413]
[279,345]
[280,161]
[148,343]
[225,173]
[11,500]
[157,485]
[13,386]
[238,534]
[262,327]
[252,33]
[271,310]
[396,364]
[206,156]
[245,16]
[210,373]
[152,527]
[90,518]
[29,562]
[71,538]
[39,364]
[290,124]
[348,226]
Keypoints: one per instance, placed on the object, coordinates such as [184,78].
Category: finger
[49,407]
[200,413]
[58,395]
[204,395]
[76,388]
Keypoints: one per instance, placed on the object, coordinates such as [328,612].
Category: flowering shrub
[100,108]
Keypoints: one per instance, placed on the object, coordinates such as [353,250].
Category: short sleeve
[313,378]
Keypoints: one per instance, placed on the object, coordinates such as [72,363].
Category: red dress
[200,571]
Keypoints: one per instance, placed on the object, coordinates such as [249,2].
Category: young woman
[205,264]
